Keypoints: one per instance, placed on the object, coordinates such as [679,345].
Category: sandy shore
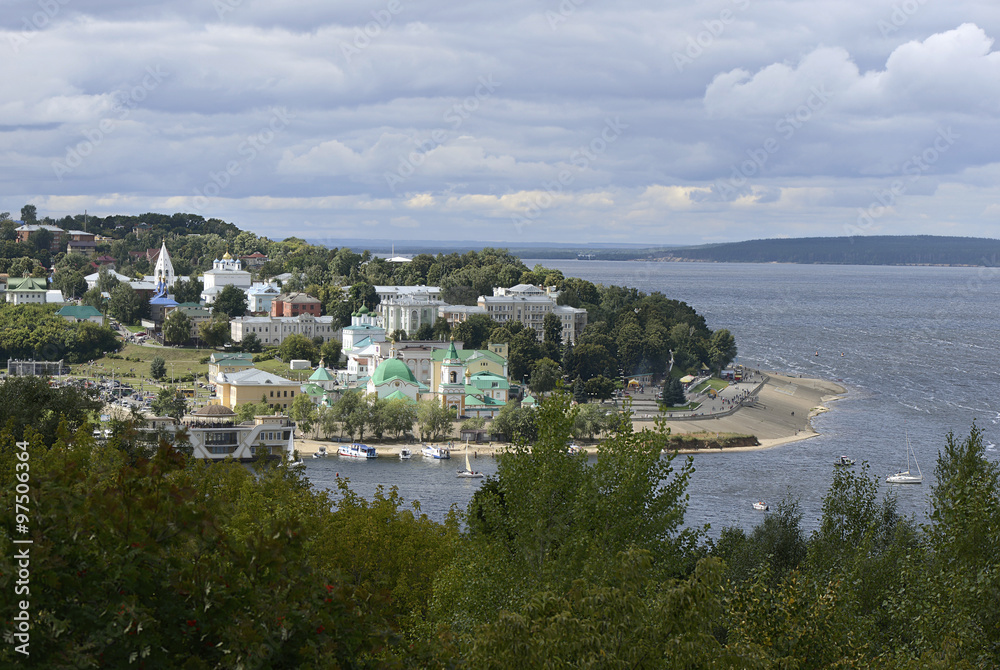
[783,414]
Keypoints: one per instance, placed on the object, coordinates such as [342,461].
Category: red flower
[192,622]
[320,630]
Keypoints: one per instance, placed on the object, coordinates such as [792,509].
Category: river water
[920,357]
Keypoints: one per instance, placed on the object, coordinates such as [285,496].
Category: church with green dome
[393,377]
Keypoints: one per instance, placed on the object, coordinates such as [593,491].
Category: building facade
[272,330]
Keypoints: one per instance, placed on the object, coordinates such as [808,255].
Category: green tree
[106,282]
[8,231]
[176,328]
[545,374]
[600,388]
[126,305]
[94,299]
[215,332]
[474,332]
[251,343]
[433,420]
[297,346]
[330,353]
[169,402]
[673,393]
[32,402]
[29,214]
[442,329]
[398,335]
[721,349]
[188,290]
[579,393]
[157,368]
[231,302]
[71,283]
[963,541]
[303,412]
[516,423]
[424,332]
[546,520]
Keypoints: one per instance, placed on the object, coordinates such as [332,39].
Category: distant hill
[865,250]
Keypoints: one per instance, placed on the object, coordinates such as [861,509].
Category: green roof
[488,380]
[313,389]
[321,375]
[232,359]
[451,354]
[399,395]
[465,354]
[390,369]
[485,401]
[79,311]
[27,284]
[528,400]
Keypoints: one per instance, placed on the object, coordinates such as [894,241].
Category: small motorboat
[573,448]
[844,461]
[760,505]
[320,453]
[405,453]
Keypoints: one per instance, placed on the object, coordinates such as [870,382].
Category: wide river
[921,355]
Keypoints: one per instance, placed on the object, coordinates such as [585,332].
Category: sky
[570,121]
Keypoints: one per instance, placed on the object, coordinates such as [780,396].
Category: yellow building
[237,388]
[474,361]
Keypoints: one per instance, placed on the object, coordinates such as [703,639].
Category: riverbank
[783,413]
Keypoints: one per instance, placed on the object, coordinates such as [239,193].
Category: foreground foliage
[154,560]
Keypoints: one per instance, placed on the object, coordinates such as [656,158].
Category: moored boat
[439,453]
[844,461]
[320,453]
[405,453]
[760,505]
[357,450]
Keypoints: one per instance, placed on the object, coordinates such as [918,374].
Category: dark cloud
[590,119]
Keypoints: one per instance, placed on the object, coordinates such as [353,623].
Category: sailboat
[906,477]
[468,472]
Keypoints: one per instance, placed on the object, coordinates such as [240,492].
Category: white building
[273,330]
[364,326]
[259,297]
[456,314]
[225,272]
[529,305]
[426,292]
[408,312]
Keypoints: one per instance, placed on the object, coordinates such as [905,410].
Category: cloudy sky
[555,120]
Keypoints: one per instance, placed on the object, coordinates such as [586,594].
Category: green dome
[363,311]
[391,369]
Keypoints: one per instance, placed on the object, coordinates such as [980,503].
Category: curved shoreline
[783,415]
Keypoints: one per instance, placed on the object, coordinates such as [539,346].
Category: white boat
[320,453]
[468,472]
[905,477]
[439,453]
[760,505]
[844,461]
[405,453]
[357,450]
[573,448]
